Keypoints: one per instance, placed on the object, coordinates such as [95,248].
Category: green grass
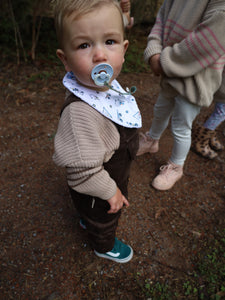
[206,282]
[134,58]
[211,268]
[134,61]
[156,290]
[44,75]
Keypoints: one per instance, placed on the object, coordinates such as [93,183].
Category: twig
[18,38]
[15,31]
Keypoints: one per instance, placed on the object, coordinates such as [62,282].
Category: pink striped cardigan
[190,35]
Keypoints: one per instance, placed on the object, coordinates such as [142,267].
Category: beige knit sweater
[85,140]
[190,37]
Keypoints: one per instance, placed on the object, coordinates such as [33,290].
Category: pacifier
[101,75]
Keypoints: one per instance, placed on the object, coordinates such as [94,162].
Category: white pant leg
[163,110]
[181,124]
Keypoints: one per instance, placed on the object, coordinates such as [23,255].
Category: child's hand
[117,202]
[155,64]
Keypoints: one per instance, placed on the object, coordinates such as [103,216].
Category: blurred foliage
[19,31]
[145,11]
[22,13]
[22,17]
[134,60]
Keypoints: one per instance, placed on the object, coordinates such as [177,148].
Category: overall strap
[68,101]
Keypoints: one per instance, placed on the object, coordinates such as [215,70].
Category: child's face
[94,38]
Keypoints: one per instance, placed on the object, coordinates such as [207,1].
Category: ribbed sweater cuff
[149,52]
[101,188]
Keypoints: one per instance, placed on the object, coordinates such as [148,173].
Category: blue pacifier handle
[101,74]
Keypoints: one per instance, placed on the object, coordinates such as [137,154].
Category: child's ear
[61,55]
[125,45]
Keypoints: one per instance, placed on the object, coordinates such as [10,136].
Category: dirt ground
[44,253]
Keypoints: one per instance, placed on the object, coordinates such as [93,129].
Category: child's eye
[110,42]
[83,46]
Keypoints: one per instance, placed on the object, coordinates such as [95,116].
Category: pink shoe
[168,176]
[147,144]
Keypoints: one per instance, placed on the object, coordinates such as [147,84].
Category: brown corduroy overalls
[101,226]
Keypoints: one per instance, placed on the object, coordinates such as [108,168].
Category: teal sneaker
[120,253]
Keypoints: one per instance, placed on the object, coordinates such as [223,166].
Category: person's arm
[202,48]
[154,42]
[84,141]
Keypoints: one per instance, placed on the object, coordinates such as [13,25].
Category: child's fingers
[115,208]
[125,202]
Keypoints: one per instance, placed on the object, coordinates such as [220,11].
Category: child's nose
[99,54]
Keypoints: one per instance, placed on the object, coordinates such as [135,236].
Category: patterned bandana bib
[121,109]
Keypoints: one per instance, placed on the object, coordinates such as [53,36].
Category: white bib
[121,109]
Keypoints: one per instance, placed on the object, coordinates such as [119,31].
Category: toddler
[97,135]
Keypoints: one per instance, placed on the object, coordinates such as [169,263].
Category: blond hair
[64,8]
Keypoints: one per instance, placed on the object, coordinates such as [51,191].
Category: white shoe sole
[124,260]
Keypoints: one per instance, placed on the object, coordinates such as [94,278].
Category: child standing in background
[186,46]
[97,135]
